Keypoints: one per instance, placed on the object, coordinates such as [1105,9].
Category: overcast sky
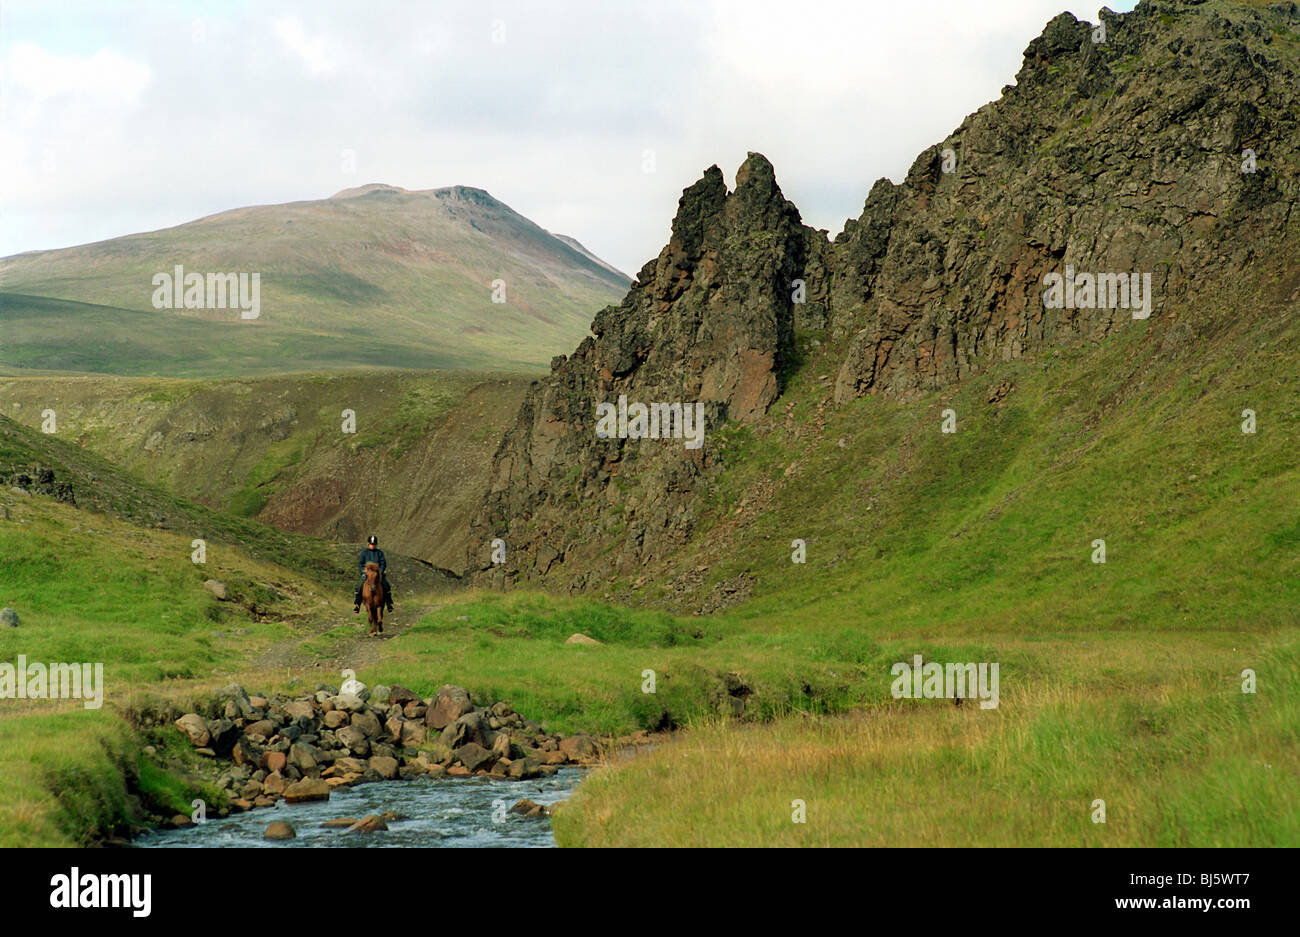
[124,117]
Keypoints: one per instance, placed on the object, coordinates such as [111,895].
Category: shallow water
[443,812]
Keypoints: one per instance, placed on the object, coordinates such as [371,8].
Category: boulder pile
[300,749]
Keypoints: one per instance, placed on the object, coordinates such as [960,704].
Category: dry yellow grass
[1174,759]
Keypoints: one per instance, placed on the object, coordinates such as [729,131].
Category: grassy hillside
[92,587]
[373,277]
[103,488]
[40,335]
[273,449]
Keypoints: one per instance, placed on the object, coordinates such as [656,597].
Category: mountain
[373,276]
[573,242]
[964,298]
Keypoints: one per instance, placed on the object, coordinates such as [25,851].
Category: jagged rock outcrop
[710,322]
[39,479]
[1122,155]
[1162,150]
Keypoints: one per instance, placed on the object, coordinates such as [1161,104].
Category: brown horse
[372,597]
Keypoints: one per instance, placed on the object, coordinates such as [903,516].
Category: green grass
[45,335]
[76,777]
[267,473]
[1185,760]
[513,648]
[95,589]
[81,756]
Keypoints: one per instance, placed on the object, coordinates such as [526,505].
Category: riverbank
[1152,722]
[1153,725]
[76,777]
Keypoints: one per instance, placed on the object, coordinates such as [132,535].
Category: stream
[442,812]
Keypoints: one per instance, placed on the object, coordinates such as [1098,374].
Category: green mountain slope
[374,276]
[41,335]
[46,464]
[273,448]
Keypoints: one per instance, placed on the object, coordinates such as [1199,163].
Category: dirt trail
[354,650]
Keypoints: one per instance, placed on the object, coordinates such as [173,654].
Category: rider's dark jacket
[372,555]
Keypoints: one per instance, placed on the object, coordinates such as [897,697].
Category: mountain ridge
[940,280]
[457,274]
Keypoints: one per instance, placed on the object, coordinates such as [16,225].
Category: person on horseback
[372,554]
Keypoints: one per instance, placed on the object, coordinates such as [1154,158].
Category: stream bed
[441,811]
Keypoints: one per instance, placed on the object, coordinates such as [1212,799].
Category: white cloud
[62,115]
[106,78]
[313,51]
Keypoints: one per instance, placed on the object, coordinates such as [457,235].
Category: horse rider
[372,554]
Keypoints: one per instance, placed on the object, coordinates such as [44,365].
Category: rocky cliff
[1134,164]
[1118,155]
[708,321]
